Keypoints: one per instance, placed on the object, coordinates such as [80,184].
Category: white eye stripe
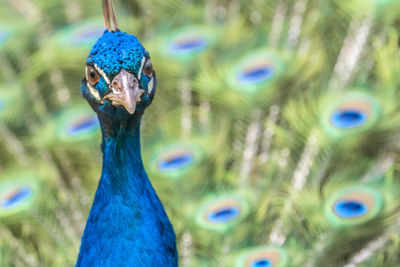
[86,74]
[101,72]
[150,85]
[141,67]
[93,92]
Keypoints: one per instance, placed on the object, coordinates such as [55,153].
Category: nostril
[115,85]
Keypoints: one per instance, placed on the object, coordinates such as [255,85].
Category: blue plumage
[115,50]
[127,224]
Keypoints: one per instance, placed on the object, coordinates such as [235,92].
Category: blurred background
[273,139]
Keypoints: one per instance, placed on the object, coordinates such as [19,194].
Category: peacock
[272,139]
[127,224]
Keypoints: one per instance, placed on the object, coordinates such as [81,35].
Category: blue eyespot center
[176,161]
[83,125]
[16,197]
[223,215]
[86,37]
[345,119]
[261,263]
[350,208]
[256,74]
[188,45]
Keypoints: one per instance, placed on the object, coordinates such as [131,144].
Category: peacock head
[119,81]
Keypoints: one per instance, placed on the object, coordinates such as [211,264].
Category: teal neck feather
[127,224]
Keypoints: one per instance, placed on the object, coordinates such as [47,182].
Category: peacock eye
[148,68]
[92,75]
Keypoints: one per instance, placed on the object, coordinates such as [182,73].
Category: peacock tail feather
[272,139]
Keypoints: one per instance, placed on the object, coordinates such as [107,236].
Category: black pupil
[353,206]
[92,74]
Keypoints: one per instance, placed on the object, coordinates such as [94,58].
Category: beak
[124,91]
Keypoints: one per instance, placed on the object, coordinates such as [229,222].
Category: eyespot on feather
[350,114]
[353,205]
[76,124]
[81,35]
[17,193]
[188,42]
[175,160]
[255,71]
[222,211]
[263,256]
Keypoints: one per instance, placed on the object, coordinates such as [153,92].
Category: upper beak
[125,91]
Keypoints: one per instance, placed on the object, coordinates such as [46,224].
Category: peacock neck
[127,222]
[121,152]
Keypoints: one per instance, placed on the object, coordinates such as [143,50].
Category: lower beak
[124,91]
